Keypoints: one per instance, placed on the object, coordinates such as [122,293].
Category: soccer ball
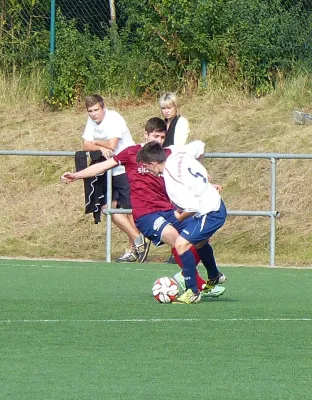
[165,290]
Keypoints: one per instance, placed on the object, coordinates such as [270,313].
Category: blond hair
[168,99]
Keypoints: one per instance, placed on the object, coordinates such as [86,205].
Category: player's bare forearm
[93,170]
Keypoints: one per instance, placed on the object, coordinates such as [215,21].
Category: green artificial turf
[93,331]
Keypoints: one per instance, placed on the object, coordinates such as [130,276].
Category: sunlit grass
[42,217]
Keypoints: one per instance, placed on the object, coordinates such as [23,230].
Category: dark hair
[151,152]
[155,124]
[93,99]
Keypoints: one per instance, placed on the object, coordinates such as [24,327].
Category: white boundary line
[106,268]
[153,320]
[120,267]
[233,265]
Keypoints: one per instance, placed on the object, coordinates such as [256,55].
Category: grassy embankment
[40,217]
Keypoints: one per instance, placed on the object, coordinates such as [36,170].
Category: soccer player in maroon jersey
[152,210]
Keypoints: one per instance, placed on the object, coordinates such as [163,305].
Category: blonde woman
[178,128]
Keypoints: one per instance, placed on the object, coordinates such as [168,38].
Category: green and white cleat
[213,291]
[179,278]
[188,297]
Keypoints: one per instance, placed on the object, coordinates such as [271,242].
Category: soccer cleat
[211,289]
[179,278]
[218,280]
[188,297]
[131,255]
[143,249]
[214,291]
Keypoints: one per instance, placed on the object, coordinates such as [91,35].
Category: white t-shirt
[187,182]
[112,126]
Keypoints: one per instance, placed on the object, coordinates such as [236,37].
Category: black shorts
[121,191]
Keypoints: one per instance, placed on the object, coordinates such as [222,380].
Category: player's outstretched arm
[93,170]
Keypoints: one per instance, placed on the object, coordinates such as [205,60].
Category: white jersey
[187,182]
[193,149]
[112,126]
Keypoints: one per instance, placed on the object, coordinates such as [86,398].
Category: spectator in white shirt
[107,131]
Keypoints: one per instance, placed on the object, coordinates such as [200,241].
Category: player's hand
[68,177]
[177,214]
[218,187]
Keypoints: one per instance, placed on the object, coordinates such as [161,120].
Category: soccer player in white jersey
[188,187]
[153,211]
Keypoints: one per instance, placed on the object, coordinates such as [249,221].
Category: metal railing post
[272,213]
[273,216]
[109,218]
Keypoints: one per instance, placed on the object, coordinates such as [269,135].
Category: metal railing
[272,213]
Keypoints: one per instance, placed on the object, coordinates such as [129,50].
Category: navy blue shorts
[152,225]
[202,228]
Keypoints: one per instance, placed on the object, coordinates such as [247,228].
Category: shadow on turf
[222,299]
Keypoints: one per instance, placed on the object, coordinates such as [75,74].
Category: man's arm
[93,170]
[110,144]
[105,146]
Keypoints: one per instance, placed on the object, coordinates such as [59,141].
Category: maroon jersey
[147,191]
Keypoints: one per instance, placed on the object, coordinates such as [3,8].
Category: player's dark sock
[207,258]
[189,270]
[200,281]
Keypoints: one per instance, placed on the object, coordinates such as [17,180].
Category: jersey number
[197,174]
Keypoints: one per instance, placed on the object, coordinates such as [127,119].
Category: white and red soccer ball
[165,290]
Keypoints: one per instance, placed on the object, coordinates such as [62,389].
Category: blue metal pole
[52,27]
[204,72]
[109,218]
[273,208]
[52,44]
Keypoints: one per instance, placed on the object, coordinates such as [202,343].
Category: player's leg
[180,226]
[187,256]
[141,243]
[208,224]
[159,229]
[206,255]
[138,247]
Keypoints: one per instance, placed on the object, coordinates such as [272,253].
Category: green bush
[247,44]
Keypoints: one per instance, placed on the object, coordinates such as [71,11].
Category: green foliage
[264,42]
[248,44]
[24,38]
[252,42]
[70,64]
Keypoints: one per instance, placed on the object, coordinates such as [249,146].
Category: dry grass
[43,218]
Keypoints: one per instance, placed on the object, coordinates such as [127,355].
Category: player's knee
[182,246]
[169,235]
